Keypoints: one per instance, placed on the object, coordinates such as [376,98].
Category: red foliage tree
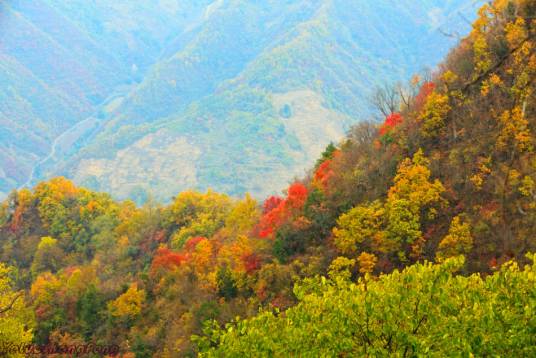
[271,220]
[391,122]
[325,171]
[167,259]
[426,89]
[252,262]
[278,215]
[271,203]
[297,195]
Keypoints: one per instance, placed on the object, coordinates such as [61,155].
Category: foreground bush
[425,310]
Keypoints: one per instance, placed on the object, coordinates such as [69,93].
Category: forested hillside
[410,237]
[156,97]
[61,62]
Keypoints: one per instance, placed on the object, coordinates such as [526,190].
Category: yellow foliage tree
[198,214]
[367,262]
[515,135]
[16,320]
[389,227]
[232,254]
[458,241]
[358,227]
[482,55]
[202,256]
[129,304]
[434,114]
[412,183]
[243,216]
[411,198]
[45,287]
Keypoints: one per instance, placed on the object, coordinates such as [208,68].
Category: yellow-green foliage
[129,304]
[387,227]
[458,241]
[425,310]
[16,319]
[47,256]
[360,224]
[198,214]
[434,114]
[340,268]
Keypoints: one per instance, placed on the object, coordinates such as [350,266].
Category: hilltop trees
[197,214]
[475,121]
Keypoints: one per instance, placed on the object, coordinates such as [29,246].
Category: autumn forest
[413,236]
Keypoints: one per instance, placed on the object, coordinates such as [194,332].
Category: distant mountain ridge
[232,95]
[59,60]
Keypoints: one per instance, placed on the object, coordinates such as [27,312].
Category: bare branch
[496,66]
[454,35]
[386,100]
[10,306]
[462,16]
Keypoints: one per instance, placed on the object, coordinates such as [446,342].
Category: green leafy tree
[89,308]
[425,310]
[226,283]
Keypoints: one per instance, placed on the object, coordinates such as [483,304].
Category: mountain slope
[61,60]
[421,227]
[41,94]
[232,92]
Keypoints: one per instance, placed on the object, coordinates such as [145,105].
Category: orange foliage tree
[166,259]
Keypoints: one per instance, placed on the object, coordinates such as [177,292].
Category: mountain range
[238,96]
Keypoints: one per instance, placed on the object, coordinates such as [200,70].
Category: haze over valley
[156,97]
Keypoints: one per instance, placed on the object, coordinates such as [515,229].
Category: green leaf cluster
[424,310]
